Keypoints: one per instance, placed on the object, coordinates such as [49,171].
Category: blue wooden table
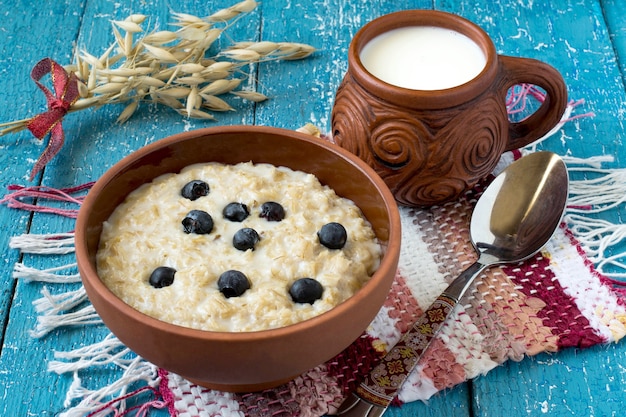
[585,40]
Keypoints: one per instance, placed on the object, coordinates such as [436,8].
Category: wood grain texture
[23,362]
[614,12]
[584,40]
[19,152]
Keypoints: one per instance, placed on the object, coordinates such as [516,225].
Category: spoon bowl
[513,219]
[520,209]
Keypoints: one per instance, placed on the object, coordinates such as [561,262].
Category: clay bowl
[246,361]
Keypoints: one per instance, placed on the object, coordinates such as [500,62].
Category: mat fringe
[100,402]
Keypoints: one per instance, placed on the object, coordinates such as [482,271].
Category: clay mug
[430,145]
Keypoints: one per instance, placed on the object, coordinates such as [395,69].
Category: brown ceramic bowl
[246,361]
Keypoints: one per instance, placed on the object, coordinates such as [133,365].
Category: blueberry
[245,239]
[163,276]
[333,235]
[235,212]
[195,189]
[272,211]
[306,290]
[233,283]
[198,222]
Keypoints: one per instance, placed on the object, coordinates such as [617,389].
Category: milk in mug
[423,58]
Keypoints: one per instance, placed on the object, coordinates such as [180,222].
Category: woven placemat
[510,312]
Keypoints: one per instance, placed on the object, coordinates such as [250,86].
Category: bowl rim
[89,273]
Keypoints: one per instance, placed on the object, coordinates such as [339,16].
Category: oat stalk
[172,68]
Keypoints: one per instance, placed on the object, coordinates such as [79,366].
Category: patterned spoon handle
[381,385]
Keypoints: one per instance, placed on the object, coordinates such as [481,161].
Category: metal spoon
[515,217]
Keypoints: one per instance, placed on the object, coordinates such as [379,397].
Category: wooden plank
[614,11]
[93,143]
[572,38]
[574,382]
[20,52]
[23,99]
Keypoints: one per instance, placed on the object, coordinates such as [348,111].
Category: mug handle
[531,71]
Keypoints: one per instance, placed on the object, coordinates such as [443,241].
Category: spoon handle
[383,382]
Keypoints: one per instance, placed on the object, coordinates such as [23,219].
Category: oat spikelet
[263,47]
[301,51]
[147,81]
[175,92]
[242,55]
[223,66]
[127,112]
[193,101]
[109,88]
[128,26]
[84,103]
[160,38]
[245,6]
[184,19]
[231,12]
[190,80]
[218,87]
[191,34]
[161,54]
[197,114]
[250,95]
[191,68]
[136,18]
[215,103]
[310,129]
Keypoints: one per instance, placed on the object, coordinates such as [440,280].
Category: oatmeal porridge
[236,248]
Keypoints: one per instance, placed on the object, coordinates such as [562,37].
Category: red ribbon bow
[59,103]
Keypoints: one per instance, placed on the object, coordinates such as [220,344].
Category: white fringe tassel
[27,273]
[593,161]
[603,190]
[57,243]
[46,244]
[60,310]
[109,351]
[55,311]
[585,192]
[597,236]
[57,303]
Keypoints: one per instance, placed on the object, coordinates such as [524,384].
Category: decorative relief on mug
[418,154]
